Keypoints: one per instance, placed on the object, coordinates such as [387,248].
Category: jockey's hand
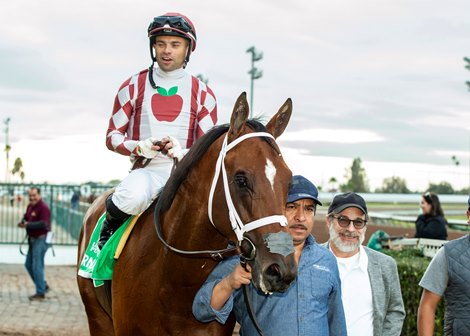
[239,277]
[174,148]
[148,148]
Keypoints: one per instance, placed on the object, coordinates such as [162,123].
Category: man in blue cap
[447,275]
[311,306]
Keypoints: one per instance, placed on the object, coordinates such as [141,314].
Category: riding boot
[114,219]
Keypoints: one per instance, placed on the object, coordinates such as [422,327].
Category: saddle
[98,265]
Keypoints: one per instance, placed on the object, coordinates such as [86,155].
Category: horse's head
[253,182]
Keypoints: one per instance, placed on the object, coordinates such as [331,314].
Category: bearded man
[371,293]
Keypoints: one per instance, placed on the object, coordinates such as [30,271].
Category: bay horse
[231,186]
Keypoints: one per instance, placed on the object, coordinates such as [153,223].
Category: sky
[383,81]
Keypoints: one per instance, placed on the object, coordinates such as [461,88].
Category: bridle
[236,222]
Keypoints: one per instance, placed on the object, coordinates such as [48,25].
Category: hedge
[411,266]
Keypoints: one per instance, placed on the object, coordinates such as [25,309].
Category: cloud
[384,81]
[24,69]
[342,136]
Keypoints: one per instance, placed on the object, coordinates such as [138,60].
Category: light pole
[456,163]
[7,150]
[254,72]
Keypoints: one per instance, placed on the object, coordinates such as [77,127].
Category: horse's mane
[194,155]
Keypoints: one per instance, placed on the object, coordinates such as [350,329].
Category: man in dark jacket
[37,222]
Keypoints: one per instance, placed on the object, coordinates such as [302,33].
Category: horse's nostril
[274,271]
[276,279]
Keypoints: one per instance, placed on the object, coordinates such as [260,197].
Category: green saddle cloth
[99,265]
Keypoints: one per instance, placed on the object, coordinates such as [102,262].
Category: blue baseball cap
[302,188]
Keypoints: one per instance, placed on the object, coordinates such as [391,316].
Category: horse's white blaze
[270,172]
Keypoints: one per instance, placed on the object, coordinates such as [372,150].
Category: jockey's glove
[176,151]
[144,148]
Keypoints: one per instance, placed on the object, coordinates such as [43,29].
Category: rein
[246,296]
[142,162]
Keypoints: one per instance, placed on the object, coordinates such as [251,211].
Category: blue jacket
[311,306]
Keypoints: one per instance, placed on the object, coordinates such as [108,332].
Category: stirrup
[104,237]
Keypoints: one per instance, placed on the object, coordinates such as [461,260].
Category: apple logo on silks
[166,105]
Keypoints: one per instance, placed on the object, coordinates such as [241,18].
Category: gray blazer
[389,311]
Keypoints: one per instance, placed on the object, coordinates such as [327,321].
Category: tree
[7,153]
[467,60]
[114,182]
[394,185]
[333,184]
[441,188]
[356,177]
[18,168]
[203,79]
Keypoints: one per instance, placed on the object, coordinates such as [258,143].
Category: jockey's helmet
[173,24]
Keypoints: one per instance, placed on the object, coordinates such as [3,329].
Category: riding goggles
[176,22]
[345,221]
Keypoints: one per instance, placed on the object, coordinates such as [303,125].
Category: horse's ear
[239,117]
[279,121]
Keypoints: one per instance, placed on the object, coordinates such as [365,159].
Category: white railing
[428,246]
[327,197]
[386,218]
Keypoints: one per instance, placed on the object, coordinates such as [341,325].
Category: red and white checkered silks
[140,111]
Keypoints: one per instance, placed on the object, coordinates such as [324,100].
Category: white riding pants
[137,190]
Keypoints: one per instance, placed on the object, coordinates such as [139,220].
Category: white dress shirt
[357,294]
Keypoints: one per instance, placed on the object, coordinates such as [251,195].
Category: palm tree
[18,168]
[333,181]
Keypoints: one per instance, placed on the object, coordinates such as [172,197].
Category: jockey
[165,104]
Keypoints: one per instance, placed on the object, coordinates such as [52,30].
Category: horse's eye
[241,181]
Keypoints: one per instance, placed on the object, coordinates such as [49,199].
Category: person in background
[312,304]
[37,222]
[370,286]
[431,223]
[75,200]
[378,240]
[448,276]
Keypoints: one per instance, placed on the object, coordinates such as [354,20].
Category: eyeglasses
[345,221]
[176,22]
